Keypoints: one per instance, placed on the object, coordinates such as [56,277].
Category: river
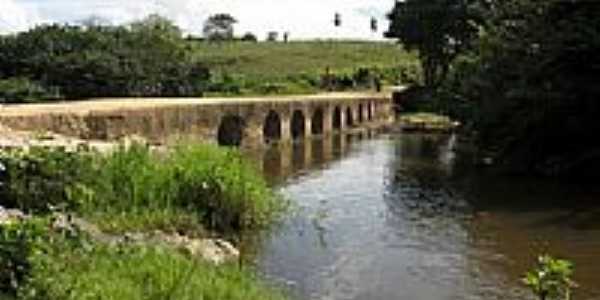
[400,217]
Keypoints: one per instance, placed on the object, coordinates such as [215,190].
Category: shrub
[249,37]
[37,180]
[223,186]
[551,279]
[22,90]
[17,243]
[145,58]
[214,185]
[37,263]
[226,84]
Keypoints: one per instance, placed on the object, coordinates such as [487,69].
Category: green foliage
[38,263]
[132,187]
[297,67]
[18,242]
[147,58]
[222,185]
[439,29]
[143,273]
[551,279]
[249,37]
[219,27]
[37,179]
[531,86]
[13,90]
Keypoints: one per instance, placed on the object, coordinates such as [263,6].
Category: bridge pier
[328,120]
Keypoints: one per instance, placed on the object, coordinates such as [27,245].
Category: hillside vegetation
[150,58]
[299,66]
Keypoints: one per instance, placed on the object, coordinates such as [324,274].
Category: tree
[157,24]
[146,58]
[219,27]
[249,37]
[272,36]
[532,86]
[439,29]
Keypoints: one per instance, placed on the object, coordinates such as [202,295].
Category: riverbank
[426,123]
[75,220]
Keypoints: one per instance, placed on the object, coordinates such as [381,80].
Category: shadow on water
[400,217]
[512,219]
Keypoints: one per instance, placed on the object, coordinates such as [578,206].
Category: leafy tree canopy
[219,27]
[529,86]
[146,58]
[439,29]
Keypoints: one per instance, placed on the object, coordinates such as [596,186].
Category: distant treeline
[146,58]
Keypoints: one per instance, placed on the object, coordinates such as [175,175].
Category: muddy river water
[386,217]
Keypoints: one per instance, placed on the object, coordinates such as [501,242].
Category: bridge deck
[116,104]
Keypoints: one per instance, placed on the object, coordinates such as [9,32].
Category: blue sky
[304,19]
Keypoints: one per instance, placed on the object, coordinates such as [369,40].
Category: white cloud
[302,18]
[15,17]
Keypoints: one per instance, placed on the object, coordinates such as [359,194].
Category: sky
[303,19]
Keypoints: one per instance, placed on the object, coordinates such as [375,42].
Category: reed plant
[135,188]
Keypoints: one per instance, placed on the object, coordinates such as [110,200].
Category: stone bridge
[228,121]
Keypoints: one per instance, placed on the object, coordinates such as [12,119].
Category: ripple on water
[389,219]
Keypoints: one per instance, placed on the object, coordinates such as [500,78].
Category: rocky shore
[216,251]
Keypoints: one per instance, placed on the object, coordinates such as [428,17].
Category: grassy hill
[259,68]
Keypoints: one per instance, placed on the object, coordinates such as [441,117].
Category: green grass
[297,66]
[143,273]
[46,265]
[134,189]
[187,189]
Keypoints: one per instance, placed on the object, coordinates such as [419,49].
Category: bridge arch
[349,117]
[317,121]
[298,125]
[337,118]
[231,131]
[272,127]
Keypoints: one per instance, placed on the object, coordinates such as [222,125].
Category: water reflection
[282,162]
[397,218]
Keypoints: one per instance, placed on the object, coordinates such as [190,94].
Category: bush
[213,185]
[38,180]
[17,243]
[226,84]
[249,37]
[145,58]
[22,90]
[37,263]
[551,279]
